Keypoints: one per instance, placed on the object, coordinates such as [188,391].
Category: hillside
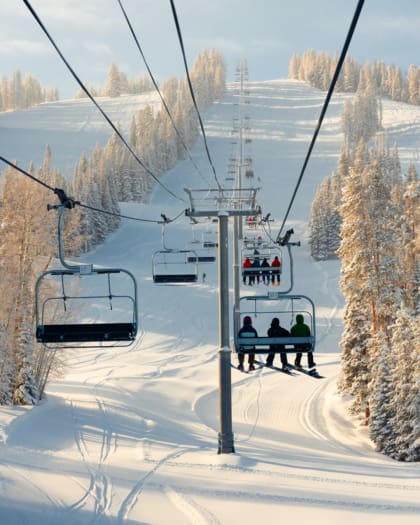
[70,127]
[129,435]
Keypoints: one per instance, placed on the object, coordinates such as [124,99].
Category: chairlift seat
[84,333]
[202,258]
[264,345]
[175,278]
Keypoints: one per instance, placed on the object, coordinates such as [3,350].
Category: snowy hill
[129,435]
[70,127]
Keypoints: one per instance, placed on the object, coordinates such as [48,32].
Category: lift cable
[83,87]
[73,202]
[159,92]
[325,107]
[192,92]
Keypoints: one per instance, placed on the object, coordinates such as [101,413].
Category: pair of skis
[290,370]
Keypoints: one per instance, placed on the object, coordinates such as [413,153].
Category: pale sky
[93,33]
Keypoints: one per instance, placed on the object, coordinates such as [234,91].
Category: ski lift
[171,265]
[262,309]
[210,239]
[112,314]
[258,250]
[175,266]
[202,255]
[256,247]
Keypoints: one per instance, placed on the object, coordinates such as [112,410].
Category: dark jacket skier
[276,330]
[265,270]
[256,274]
[247,330]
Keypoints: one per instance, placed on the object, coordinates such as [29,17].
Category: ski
[277,368]
[246,370]
[313,372]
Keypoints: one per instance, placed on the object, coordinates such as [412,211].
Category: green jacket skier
[300,329]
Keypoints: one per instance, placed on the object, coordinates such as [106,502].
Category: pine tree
[294,65]
[25,248]
[355,256]
[405,397]
[413,88]
[410,225]
[382,409]
[113,83]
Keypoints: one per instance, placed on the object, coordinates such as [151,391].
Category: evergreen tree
[355,257]
[413,88]
[382,409]
[410,224]
[113,83]
[405,398]
[24,250]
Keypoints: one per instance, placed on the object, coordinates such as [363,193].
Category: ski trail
[131,499]
[251,411]
[194,513]
[100,487]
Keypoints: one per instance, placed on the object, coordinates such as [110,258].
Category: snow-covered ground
[129,435]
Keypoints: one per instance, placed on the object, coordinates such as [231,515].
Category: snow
[129,435]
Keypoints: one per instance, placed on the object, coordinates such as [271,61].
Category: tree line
[367,213]
[16,93]
[317,69]
[118,83]
[380,282]
[28,242]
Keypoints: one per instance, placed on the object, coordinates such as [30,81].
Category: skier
[247,330]
[245,267]
[275,270]
[300,329]
[276,330]
[265,270]
[256,274]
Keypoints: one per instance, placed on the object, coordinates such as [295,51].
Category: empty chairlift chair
[84,306]
[175,266]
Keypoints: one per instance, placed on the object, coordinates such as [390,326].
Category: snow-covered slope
[130,435]
[70,127]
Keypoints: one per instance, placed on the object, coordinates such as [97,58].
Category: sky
[93,33]
[128,436]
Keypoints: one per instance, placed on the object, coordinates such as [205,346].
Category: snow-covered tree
[25,250]
[113,83]
[355,257]
[382,408]
[405,386]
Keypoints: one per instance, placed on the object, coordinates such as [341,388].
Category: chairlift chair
[175,266]
[112,314]
[202,255]
[172,265]
[262,309]
[261,250]
[210,239]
